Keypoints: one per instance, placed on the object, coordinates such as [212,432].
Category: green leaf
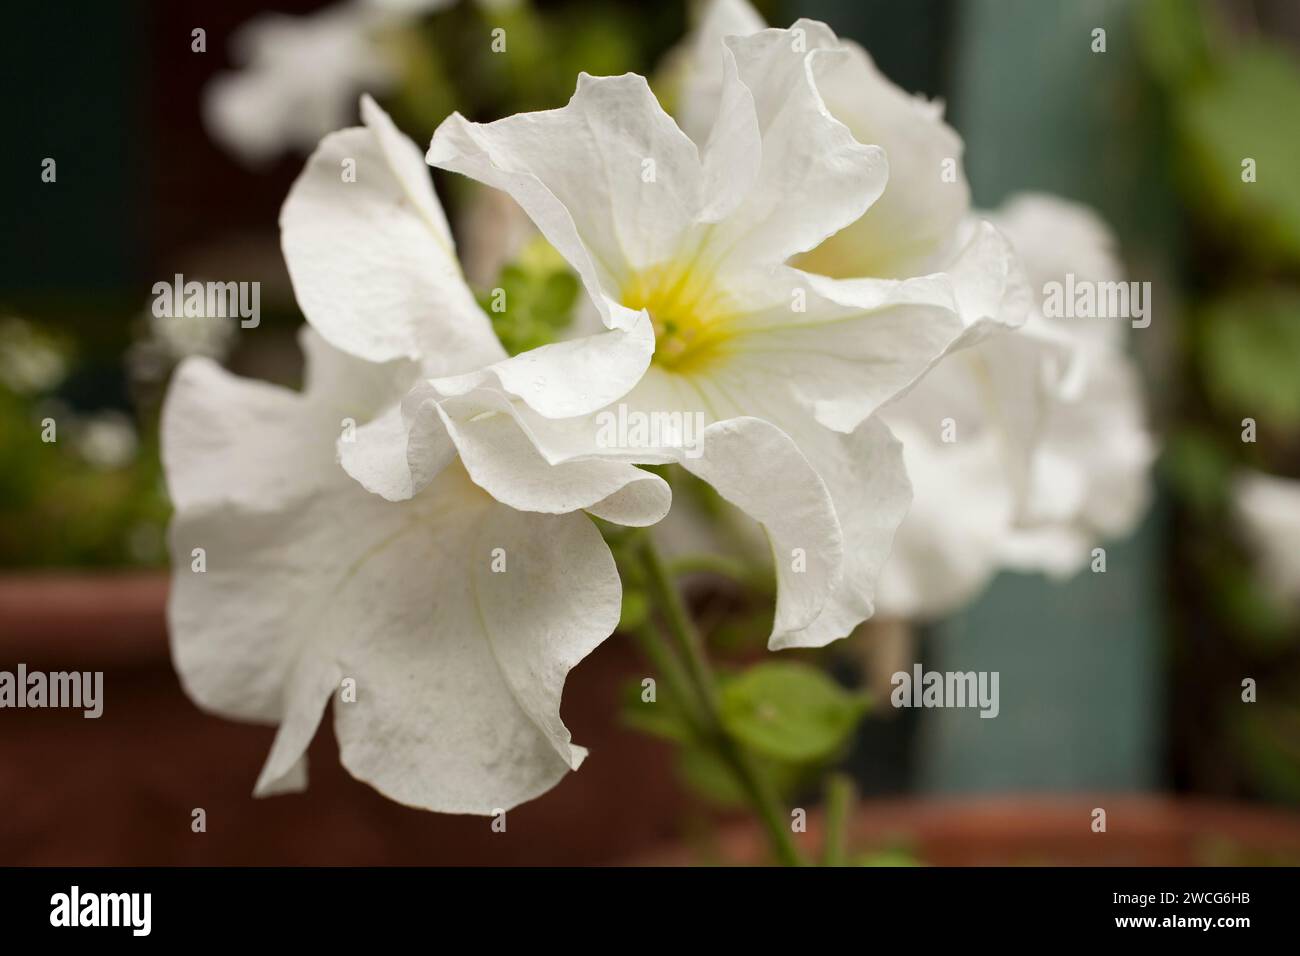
[1198,468]
[789,711]
[1259,620]
[1247,111]
[1173,39]
[1250,348]
[533,299]
[555,297]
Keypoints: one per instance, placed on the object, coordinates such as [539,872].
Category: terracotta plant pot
[121,789]
[1038,830]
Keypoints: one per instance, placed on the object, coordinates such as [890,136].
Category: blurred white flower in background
[1090,475]
[29,362]
[1269,510]
[168,340]
[106,439]
[1049,452]
[181,336]
[299,77]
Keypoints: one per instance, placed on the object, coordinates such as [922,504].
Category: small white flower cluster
[1269,509]
[415,520]
[298,77]
[29,363]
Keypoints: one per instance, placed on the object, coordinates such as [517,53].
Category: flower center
[691,318]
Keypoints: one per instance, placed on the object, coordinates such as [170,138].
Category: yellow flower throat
[692,319]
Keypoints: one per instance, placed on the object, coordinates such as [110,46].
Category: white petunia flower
[1037,490]
[1092,461]
[299,76]
[442,625]
[169,339]
[1269,509]
[683,245]
[1023,447]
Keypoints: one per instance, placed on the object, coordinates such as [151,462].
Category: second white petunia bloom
[1025,445]
[1029,449]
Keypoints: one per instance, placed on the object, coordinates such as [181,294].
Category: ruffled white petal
[755,466]
[733,153]
[372,261]
[457,617]
[609,179]
[238,441]
[853,345]
[488,653]
[376,455]
[815,178]
[535,463]
[906,231]
[909,229]
[458,668]
[869,488]
[703,83]
[208,415]
[232,625]
[501,459]
[568,378]
[523,460]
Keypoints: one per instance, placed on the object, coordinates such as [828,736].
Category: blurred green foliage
[1225,95]
[1230,119]
[1231,96]
[533,300]
[444,67]
[1268,736]
[77,488]
[1249,353]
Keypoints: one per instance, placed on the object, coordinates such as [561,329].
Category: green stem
[839,800]
[665,661]
[756,786]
